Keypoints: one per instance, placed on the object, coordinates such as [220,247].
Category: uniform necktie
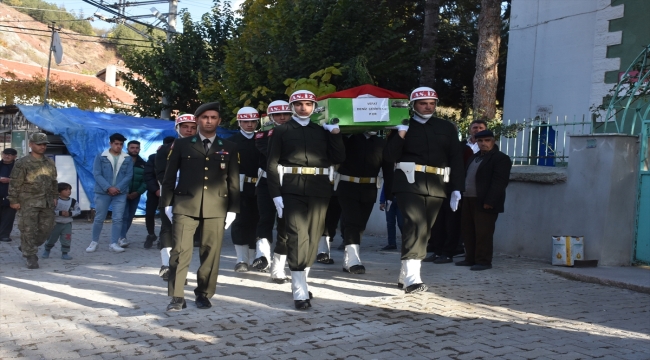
[206,145]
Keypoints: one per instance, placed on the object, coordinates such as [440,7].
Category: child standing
[65,210]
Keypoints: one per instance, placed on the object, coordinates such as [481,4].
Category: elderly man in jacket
[487,175]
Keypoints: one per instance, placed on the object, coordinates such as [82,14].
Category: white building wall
[556,56]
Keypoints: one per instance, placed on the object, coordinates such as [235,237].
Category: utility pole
[171,29]
[49,61]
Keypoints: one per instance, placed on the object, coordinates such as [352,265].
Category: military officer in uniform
[427,155]
[279,113]
[208,191]
[185,127]
[356,186]
[33,192]
[243,231]
[300,163]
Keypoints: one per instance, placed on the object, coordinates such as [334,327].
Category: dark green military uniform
[207,189]
[243,228]
[305,197]
[165,223]
[434,144]
[268,213]
[357,196]
[33,185]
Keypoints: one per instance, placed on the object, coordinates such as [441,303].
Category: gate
[642,244]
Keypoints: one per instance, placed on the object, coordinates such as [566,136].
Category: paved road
[105,305]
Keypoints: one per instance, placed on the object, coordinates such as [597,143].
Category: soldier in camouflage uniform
[33,192]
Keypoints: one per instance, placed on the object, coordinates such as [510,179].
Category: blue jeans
[130,208]
[391,215]
[102,202]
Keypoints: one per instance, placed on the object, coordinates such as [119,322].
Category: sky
[196,8]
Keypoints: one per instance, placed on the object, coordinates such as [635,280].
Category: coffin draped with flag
[362,108]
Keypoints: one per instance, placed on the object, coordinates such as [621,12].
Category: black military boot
[32,261]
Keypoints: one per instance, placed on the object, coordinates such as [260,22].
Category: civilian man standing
[137,187]
[7,214]
[113,170]
[488,173]
[208,191]
[34,191]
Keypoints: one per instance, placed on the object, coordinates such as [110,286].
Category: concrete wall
[557,56]
[597,201]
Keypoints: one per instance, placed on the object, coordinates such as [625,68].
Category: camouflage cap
[38,138]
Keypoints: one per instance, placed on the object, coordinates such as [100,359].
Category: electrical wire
[75,34]
[22,21]
[80,40]
[104,42]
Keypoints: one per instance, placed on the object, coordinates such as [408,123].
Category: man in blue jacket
[113,171]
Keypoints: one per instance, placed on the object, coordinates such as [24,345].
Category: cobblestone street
[105,305]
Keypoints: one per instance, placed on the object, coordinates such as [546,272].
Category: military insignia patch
[220,142]
[270,132]
[223,166]
[259,135]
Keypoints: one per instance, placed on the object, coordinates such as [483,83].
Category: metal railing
[542,141]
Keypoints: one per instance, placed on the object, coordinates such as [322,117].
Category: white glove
[388,204]
[329,127]
[168,212]
[279,205]
[230,217]
[402,128]
[455,198]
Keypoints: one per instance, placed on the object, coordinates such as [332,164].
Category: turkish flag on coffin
[355,92]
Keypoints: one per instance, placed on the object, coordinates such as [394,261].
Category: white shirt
[209,138]
[247,135]
[301,121]
[473,146]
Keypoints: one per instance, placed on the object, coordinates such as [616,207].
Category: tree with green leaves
[178,68]
[288,39]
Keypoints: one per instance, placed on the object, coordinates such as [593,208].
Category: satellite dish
[57,48]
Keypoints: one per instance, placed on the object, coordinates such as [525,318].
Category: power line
[80,40]
[118,14]
[75,34]
[22,21]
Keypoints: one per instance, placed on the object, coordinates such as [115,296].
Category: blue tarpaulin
[86,133]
